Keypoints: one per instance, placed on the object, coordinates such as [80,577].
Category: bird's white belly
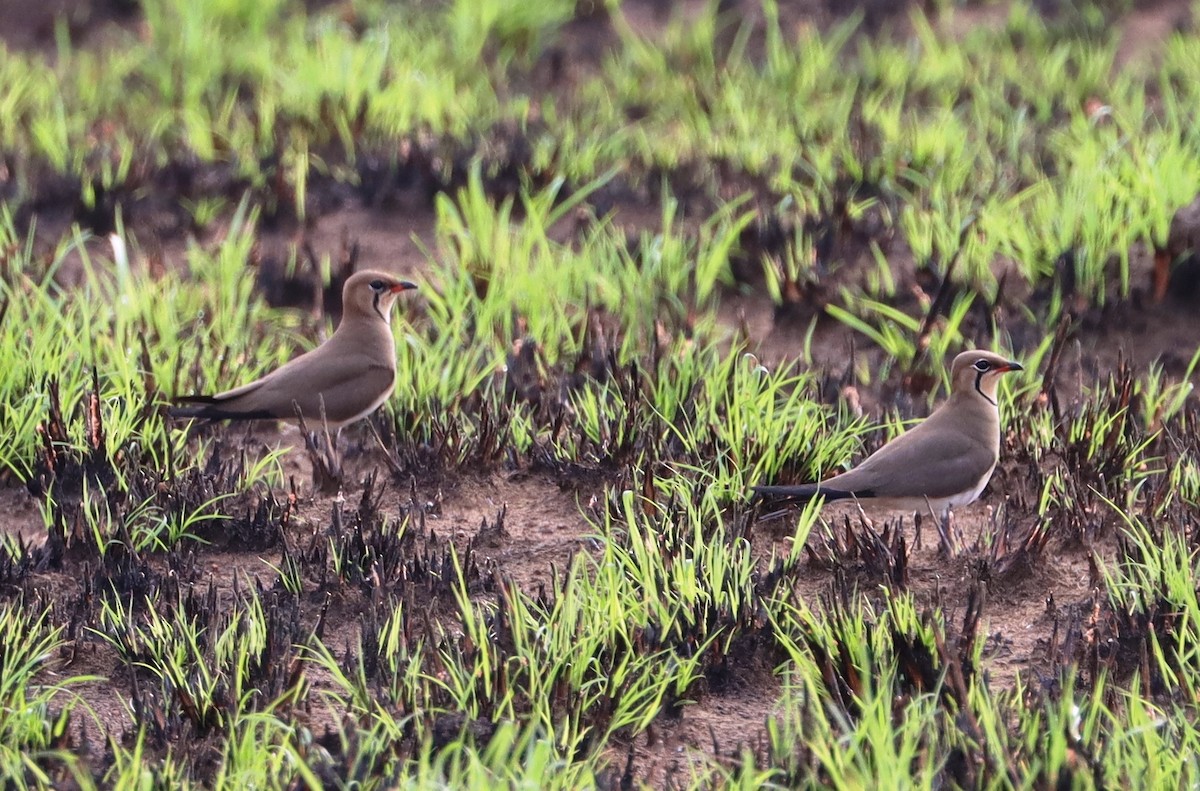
[967,497]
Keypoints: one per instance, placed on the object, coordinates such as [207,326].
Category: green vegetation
[355,643]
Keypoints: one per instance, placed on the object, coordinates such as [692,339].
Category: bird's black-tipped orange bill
[1012,365]
[403,285]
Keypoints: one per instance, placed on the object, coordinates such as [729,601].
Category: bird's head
[978,372]
[369,294]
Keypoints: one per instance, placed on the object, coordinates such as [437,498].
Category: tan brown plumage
[945,461]
[349,376]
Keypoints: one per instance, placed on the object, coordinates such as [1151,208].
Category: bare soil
[544,518]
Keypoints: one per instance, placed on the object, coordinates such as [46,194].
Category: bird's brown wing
[347,384]
[919,464]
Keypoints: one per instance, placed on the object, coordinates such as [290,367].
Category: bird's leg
[948,545]
[393,465]
[937,521]
[862,515]
[326,467]
[332,459]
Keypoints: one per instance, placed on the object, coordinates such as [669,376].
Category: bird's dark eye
[378,285]
[982,365]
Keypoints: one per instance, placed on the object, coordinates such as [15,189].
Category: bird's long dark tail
[801,493]
[209,408]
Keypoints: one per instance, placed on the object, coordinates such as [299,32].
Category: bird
[344,379]
[942,463]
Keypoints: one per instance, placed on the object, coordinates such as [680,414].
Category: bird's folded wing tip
[194,399]
[209,410]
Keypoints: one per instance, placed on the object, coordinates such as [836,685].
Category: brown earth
[544,522]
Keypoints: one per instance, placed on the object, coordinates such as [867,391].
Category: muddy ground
[544,516]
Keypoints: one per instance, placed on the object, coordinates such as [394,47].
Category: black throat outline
[375,304]
[978,389]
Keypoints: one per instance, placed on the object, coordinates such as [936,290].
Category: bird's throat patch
[978,389]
